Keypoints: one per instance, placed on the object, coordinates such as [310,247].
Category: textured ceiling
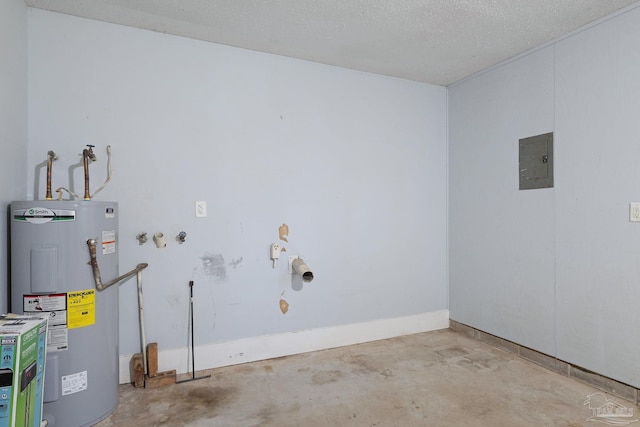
[433,41]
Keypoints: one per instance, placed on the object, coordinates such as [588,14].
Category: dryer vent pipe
[300,267]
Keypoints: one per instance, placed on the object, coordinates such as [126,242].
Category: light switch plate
[201,209]
[634,212]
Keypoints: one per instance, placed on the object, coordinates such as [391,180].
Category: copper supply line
[51,156]
[87,154]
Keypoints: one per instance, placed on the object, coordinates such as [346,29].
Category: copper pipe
[86,155]
[51,157]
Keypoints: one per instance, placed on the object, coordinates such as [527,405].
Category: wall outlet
[275,251]
[634,212]
[201,209]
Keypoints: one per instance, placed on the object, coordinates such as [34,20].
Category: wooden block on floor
[138,370]
[161,379]
[152,359]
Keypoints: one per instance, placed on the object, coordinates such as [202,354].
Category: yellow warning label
[81,306]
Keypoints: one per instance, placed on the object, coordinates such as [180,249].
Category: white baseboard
[265,347]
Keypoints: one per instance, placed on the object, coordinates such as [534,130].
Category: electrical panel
[536,162]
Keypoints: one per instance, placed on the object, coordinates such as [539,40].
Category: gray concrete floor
[440,378]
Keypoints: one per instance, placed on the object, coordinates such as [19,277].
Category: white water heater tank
[50,273]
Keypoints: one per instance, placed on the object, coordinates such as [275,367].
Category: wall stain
[234,263]
[283,232]
[213,265]
[173,300]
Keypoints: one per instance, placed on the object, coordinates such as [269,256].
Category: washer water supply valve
[142,238]
[182,236]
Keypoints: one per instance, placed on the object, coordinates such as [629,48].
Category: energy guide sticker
[81,308]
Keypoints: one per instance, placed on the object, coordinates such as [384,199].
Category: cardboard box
[23,346]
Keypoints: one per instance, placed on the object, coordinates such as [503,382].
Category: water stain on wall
[174,300]
[234,263]
[213,265]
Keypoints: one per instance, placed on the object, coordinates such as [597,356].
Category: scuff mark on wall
[283,231]
[174,300]
[213,265]
[284,306]
[234,263]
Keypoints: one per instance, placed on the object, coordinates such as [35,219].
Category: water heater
[51,273]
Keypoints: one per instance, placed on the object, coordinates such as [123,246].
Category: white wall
[554,269]
[502,240]
[13,121]
[598,129]
[355,164]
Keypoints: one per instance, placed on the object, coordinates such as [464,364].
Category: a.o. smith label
[39,215]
